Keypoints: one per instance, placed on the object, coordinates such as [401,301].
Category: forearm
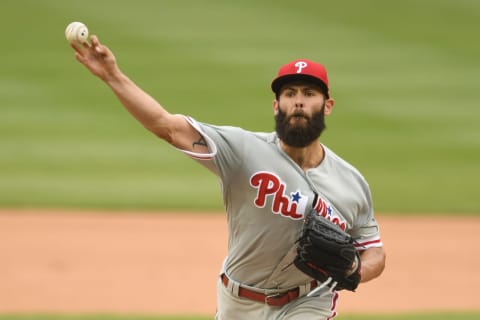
[372,263]
[174,129]
[102,63]
[140,104]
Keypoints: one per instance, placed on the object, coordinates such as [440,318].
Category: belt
[276,300]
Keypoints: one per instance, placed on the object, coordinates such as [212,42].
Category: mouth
[298,116]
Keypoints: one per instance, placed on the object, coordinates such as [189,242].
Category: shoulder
[269,137]
[334,162]
[236,133]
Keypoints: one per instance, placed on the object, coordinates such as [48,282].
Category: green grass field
[404,75]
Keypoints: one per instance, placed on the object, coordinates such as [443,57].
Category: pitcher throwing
[276,266]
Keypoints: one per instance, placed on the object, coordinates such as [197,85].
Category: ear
[275,107]
[328,106]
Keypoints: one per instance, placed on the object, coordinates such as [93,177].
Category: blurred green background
[404,75]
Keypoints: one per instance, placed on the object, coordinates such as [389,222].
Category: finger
[80,58]
[97,46]
[86,45]
[79,48]
[74,46]
[94,40]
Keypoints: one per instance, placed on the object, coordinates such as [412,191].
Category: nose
[299,102]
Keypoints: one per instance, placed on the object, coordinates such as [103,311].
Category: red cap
[301,69]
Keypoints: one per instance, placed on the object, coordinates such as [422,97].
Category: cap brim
[279,82]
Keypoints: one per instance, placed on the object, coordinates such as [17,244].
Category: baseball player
[269,182]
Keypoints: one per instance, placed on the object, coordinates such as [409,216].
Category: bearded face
[298,129]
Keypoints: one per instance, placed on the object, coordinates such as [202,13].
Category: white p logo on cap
[300,65]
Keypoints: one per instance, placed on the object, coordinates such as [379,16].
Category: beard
[299,135]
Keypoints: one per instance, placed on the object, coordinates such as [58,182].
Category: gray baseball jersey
[266,195]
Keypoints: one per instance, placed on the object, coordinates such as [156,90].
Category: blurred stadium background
[404,76]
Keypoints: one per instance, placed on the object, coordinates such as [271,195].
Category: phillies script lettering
[323,209]
[270,186]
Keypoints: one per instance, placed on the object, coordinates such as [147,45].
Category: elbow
[164,135]
[167,127]
[161,131]
[373,263]
[382,262]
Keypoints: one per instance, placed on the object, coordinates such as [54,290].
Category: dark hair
[300,78]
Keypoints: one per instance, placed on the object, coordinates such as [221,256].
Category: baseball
[76,32]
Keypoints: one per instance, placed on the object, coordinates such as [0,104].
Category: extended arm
[172,128]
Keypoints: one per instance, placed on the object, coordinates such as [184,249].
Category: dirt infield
[142,263]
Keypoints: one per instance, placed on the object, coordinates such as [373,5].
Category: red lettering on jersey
[268,184]
[325,210]
[321,207]
[283,205]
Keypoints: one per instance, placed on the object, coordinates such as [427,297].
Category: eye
[289,93]
[309,93]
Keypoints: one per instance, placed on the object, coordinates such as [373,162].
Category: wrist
[114,77]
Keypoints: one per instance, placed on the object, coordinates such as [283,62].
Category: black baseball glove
[326,253]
